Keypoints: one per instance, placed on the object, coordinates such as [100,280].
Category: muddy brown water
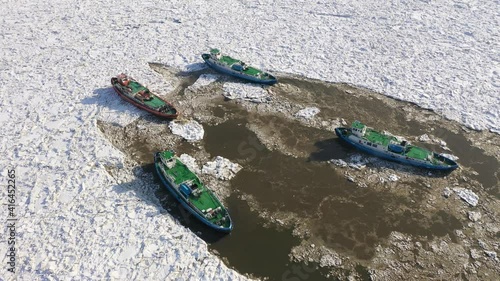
[347,219]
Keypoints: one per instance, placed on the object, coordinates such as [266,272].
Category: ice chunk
[474,216]
[221,168]
[447,192]
[190,162]
[450,156]
[467,195]
[474,254]
[357,162]
[393,177]
[307,113]
[424,138]
[491,254]
[339,162]
[191,131]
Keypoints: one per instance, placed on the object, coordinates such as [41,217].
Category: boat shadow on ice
[116,111]
[148,188]
[341,154]
[113,106]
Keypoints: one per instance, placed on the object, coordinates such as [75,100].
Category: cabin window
[369,143]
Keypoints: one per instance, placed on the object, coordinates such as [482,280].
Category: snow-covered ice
[190,131]
[77,222]
[221,168]
[308,112]
[249,92]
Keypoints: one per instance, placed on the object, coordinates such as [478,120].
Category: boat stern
[227,228]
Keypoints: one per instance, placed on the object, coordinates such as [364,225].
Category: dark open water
[345,218]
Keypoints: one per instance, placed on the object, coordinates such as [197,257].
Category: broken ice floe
[307,113]
[424,138]
[450,156]
[249,92]
[475,254]
[427,138]
[474,216]
[447,192]
[393,177]
[339,162]
[190,162]
[481,244]
[356,161]
[467,195]
[221,168]
[191,131]
[491,254]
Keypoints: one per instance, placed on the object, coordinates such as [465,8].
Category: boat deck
[417,152]
[229,61]
[378,138]
[411,151]
[205,200]
[155,102]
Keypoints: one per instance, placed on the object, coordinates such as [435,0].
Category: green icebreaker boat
[388,147]
[187,188]
[235,67]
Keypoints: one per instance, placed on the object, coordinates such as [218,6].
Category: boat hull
[178,196]
[238,74]
[141,106]
[393,156]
